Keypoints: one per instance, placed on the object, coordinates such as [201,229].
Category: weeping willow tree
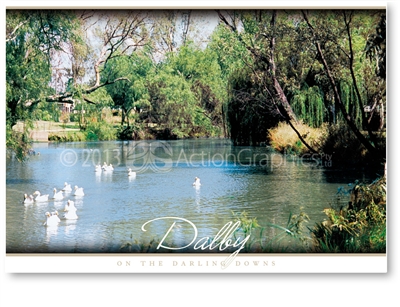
[249,112]
[349,98]
[311,106]
[308,104]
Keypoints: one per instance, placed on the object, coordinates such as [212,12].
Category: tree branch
[11,36]
[338,99]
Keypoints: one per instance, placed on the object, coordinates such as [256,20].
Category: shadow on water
[21,181]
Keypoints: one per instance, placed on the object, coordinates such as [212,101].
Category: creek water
[234,179]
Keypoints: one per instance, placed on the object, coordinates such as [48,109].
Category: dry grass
[283,138]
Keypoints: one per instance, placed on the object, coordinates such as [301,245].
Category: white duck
[78,191]
[67,187]
[98,168]
[108,168]
[196,182]
[55,216]
[28,199]
[131,173]
[41,198]
[57,195]
[52,219]
[71,211]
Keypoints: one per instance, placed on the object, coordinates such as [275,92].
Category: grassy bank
[100,131]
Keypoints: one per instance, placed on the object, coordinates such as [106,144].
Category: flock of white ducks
[52,218]
[104,168]
[57,195]
[109,168]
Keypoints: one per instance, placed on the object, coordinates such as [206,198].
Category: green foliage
[230,84]
[343,146]
[294,230]
[248,116]
[375,47]
[17,143]
[132,132]
[173,104]
[247,228]
[134,246]
[360,227]
[278,52]
[308,104]
[46,111]
[186,94]
[76,136]
[31,37]
[131,92]
[100,131]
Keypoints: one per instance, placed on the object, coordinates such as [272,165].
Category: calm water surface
[111,213]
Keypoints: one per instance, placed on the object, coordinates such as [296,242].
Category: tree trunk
[350,122]
[280,95]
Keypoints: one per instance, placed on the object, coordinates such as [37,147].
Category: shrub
[283,138]
[344,147]
[360,227]
[100,131]
[134,132]
[64,118]
[77,136]
[258,242]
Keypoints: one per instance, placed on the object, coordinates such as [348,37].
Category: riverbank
[45,131]
[41,130]
[335,145]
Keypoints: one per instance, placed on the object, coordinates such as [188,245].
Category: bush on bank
[284,140]
[359,227]
[335,141]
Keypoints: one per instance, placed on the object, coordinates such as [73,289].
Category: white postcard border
[131,263]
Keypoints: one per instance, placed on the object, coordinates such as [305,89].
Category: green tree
[339,47]
[31,38]
[256,88]
[173,104]
[304,65]
[132,93]
[187,93]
